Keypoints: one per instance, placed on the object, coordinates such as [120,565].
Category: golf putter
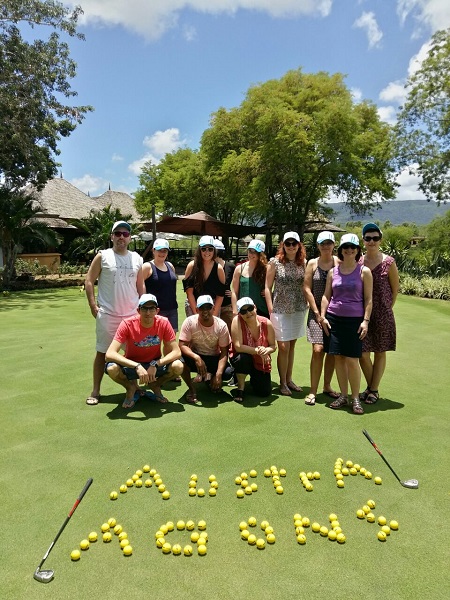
[47,575]
[412,484]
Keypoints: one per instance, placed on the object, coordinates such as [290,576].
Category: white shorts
[105,329]
[288,327]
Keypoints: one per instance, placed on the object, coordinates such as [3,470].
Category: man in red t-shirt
[142,336]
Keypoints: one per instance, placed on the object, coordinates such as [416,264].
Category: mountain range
[397,212]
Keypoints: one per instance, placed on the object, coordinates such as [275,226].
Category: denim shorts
[131,374]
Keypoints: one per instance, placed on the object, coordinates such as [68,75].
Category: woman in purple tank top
[345,315]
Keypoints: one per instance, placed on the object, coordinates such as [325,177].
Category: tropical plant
[97,231]
[19,225]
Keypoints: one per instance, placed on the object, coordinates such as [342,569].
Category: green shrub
[425,287]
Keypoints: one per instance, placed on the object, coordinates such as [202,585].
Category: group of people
[236,317]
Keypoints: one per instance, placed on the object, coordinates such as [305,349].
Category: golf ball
[260,543]
[371,503]
[253,473]
[84,544]
[212,491]
[123,489]
[251,539]
[113,495]
[146,469]
[105,527]
[123,535]
[341,538]
[271,538]
[129,482]
[176,549]
[323,531]
[75,555]
[305,522]
[279,489]
[148,483]
[240,493]
[190,525]
[112,522]
[165,495]
[212,478]
[187,551]
[118,529]
[170,526]
[381,536]
[200,492]
[107,537]
[138,483]
[201,525]
[194,537]
[252,521]
[166,548]
[332,535]
[340,484]
[128,550]
[124,543]
[393,525]
[202,550]
[244,534]
[192,492]
[378,480]
[181,525]
[315,527]
[381,520]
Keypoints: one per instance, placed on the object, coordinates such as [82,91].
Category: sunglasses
[289,244]
[244,311]
[348,247]
[124,234]
[372,238]
[207,249]
[148,308]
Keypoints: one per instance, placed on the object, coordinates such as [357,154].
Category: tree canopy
[424,121]
[276,157]
[34,85]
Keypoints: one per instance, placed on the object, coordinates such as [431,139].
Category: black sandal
[372,397]
[363,395]
[238,396]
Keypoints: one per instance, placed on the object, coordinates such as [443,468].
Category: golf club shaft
[380,453]
[77,502]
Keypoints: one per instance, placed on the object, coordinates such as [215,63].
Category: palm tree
[97,228]
[18,225]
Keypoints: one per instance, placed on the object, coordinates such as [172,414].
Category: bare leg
[379,365]
[97,372]
[241,380]
[131,386]
[328,372]
[367,368]
[283,361]
[290,363]
[342,374]
[316,365]
[354,376]
[174,370]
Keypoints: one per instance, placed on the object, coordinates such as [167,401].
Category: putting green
[52,442]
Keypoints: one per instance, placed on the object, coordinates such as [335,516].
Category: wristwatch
[153,363]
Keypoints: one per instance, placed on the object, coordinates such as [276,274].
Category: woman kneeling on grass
[253,340]
[345,316]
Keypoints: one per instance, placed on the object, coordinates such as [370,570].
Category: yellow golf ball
[159,534]
[170,526]
[212,478]
[75,555]
[148,483]
[378,480]
[124,543]
[252,521]
[202,550]
[340,484]
[248,490]
[267,473]
[194,477]
[271,538]
[366,508]
[301,539]
[112,522]
[139,473]
[165,495]
[187,550]
[152,472]
[244,475]
[360,513]
[113,495]
[181,525]
[370,517]
[107,537]
[393,525]
[146,469]
[371,503]
[244,534]
[260,543]
[315,527]
[381,520]
[279,489]
[167,548]
[129,482]
[160,542]
[123,535]
[135,477]
[251,539]
[138,483]
[200,492]
[386,529]
[201,525]
[323,531]
[381,536]
[316,475]
[161,488]
[305,522]
[332,535]
[253,473]
[176,549]
[127,550]
[212,491]
[105,527]
[215,485]
[117,529]
[84,544]
[190,525]
[192,492]
[194,537]
[341,538]
[123,489]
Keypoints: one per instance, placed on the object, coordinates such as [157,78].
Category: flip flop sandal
[331,394]
[356,407]
[92,400]
[285,391]
[292,386]
[130,403]
[310,400]
[372,397]
[339,402]
[191,397]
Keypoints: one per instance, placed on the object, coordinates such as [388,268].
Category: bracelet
[138,365]
[368,320]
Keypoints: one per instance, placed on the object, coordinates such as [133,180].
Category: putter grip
[368,437]
[80,497]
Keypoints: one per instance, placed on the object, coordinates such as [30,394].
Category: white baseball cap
[120,224]
[147,298]
[257,245]
[206,299]
[324,236]
[349,238]
[218,245]
[291,235]
[246,301]
[161,244]
[206,240]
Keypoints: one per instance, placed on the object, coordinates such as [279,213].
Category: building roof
[120,200]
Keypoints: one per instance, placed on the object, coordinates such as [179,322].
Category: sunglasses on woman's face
[244,310]
[125,234]
[372,238]
[289,244]
[207,249]
[348,247]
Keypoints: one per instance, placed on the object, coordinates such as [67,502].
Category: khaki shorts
[105,329]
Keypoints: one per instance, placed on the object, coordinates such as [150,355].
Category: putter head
[413,484]
[44,576]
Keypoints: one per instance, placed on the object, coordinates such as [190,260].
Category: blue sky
[155,70]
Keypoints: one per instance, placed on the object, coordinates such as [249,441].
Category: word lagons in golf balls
[199,538]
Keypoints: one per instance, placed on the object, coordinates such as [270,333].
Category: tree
[423,129]
[303,138]
[97,229]
[18,225]
[34,80]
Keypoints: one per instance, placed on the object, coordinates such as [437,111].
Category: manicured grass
[52,442]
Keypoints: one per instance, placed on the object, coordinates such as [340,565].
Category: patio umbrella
[200,223]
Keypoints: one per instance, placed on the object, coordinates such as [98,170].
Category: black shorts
[211,363]
[260,381]
[344,337]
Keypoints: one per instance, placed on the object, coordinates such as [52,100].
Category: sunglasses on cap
[348,247]
[244,311]
[372,238]
[124,234]
[207,249]
[288,243]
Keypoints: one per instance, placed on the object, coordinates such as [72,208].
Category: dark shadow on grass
[206,398]
[143,410]
[37,299]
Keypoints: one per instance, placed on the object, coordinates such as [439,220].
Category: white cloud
[409,185]
[368,22]
[189,33]
[394,92]
[91,184]
[388,114]
[356,95]
[432,14]
[158,144]
[152,18]
[116,157]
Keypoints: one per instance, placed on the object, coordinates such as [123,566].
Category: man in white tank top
[120,283]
